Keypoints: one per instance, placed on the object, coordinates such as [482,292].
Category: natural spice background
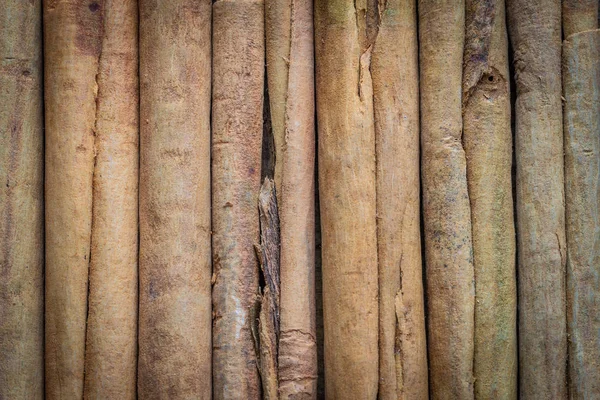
[299,199]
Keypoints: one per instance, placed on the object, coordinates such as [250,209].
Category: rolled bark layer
[347,199]
[446,206]
[21,202]
[111,341]
[290,72]
[175,264]
[278,31]
[238,83]
[581,88]
[487,140]
[73,41]
[394,67]
[534,27]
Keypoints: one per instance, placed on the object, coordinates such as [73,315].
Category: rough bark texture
[278,31]
[175,264]
[72,46]
[581,85]
[269,252]
[579,16]
[21,202]
[347,196]
[446,206]
[487,140]
[111,340]
[402,341]
[238,65]
[534,27]
[290,72]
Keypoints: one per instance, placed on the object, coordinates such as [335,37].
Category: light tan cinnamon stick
[487,141]
[21,202]
[175,265]
[347,199]
[581,91]
[237,113]
[73,41]
[402,343]
[290,73]
[446,206]
[111,340]
[534,27]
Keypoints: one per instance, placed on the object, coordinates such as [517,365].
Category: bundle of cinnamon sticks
[299,199]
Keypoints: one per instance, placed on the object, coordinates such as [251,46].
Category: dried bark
[534,27]
[446,206]
[21,202]
[581,88]
[175,263]
[487,140]
[579,16]
[278,30]
[290,73]
[269,253]
[394,67]
[111,340]
[238,65]
[72,46]
[347,198]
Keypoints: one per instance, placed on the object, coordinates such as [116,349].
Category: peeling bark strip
[73,40]
[290,72]
[534,27]
[402,342]
[446,206]
[21,202]
[175,264]
[111,340]
[487,141]
[268,252]
[347,190]
[579,16]
[238,65]
[581,88]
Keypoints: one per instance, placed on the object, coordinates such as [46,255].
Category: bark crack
[97,78]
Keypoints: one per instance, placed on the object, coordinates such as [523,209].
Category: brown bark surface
[579,16]
[534,27]
[278,30]
[446,206]
[402,341]
[175,265]
[290,72]
[347,199]
[21,202]
[111,340]
[238,83]
[72,47]
[487,139]
[581,89]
